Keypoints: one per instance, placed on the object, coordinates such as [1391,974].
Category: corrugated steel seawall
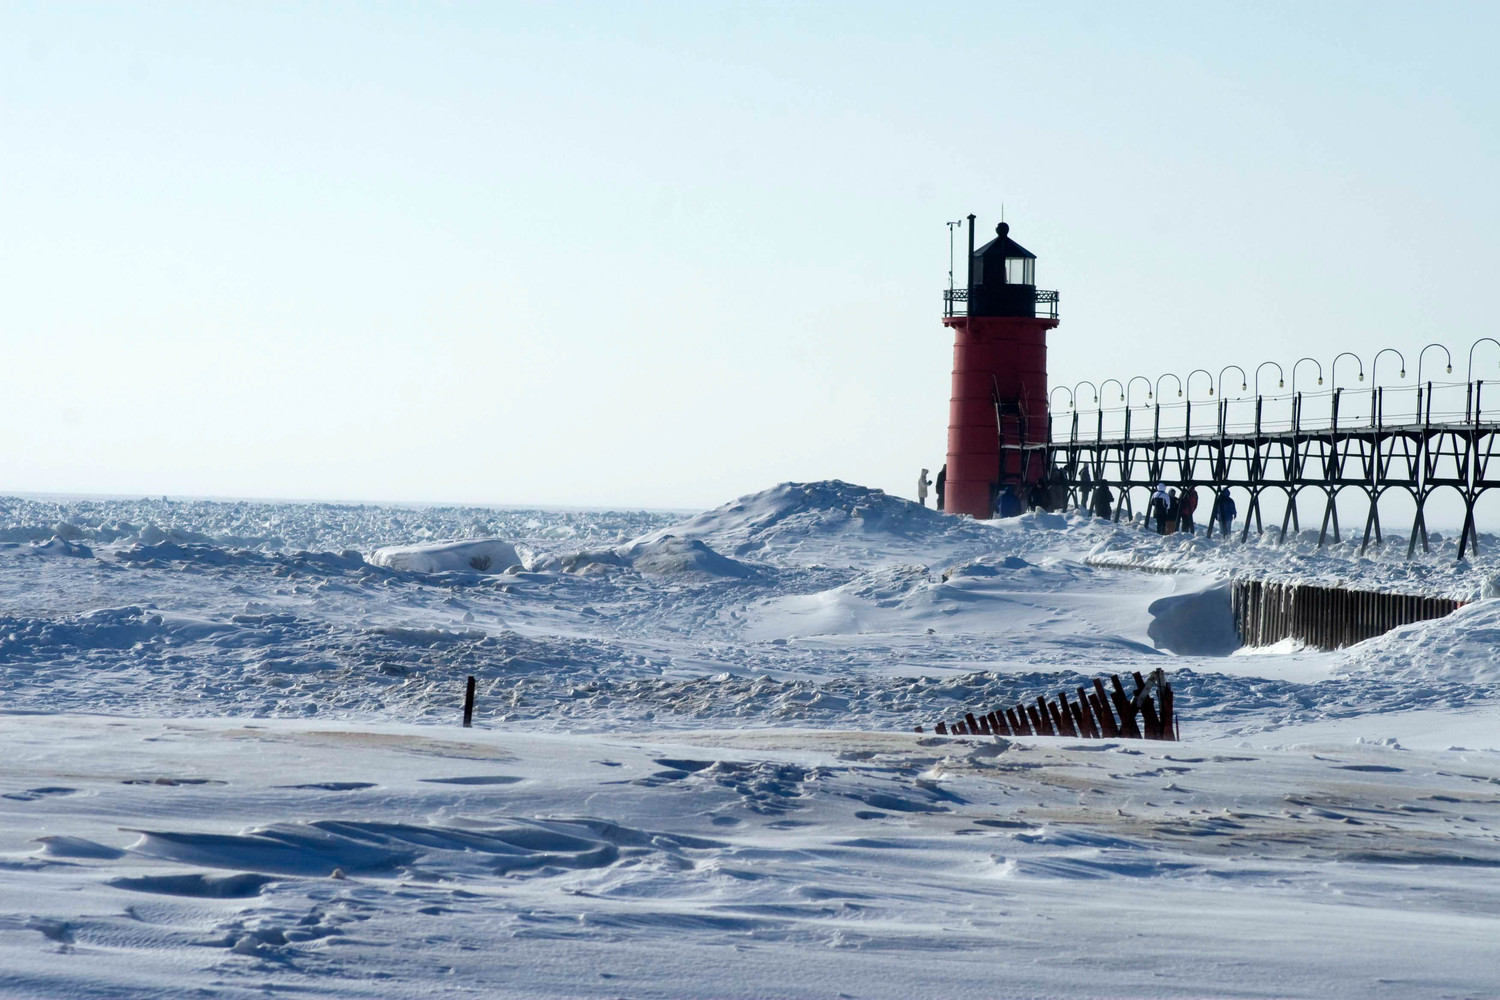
[1325,617]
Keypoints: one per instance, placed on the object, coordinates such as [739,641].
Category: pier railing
[1342,409]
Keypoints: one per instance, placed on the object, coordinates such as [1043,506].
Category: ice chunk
[482,555]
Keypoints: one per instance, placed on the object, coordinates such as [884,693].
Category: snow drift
[668,555]
[1462,648]
[1195,624]
[829,522]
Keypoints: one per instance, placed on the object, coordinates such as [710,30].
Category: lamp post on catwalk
[997,415]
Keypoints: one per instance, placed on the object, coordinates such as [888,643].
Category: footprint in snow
[679,764]
[677,769]
[32,794]
[332,786]
[241,886]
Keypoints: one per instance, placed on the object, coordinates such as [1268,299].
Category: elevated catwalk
[1312,442]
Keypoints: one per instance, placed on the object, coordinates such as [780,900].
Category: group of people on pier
[1170,511]
[1173,513]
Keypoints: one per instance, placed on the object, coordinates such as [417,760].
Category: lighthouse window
[1019,271]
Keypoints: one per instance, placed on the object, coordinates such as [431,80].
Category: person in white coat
[922,483]
[1160,504]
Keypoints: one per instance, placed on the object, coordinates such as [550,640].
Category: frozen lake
[233,765]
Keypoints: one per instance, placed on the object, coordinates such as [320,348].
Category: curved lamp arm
[1280,376]
[1116,382]
[1333,375]
[1170,376]
[1294,372]
[1054,393]
[1244,379]
[1092,386]
[1471,353]
[1375,362]
[1206,374]
[1131,384]
[1424,354]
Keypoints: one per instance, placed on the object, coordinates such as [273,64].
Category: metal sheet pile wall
[1266,612]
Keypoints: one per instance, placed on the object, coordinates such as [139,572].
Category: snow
[485,555]
[831,523]
[1463,648]
[233,765]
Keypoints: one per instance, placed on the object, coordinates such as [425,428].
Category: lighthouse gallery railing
[956,303]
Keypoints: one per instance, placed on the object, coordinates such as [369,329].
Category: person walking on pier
[1189,505]
[1103,499]
[1039,497]
[1159,504]
[1224,511]
[922,484]
[1058,493]
[1009,502]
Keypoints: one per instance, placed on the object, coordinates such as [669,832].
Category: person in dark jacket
[1058,493]
[1039,497]
[1224,511]
[1189,505]
[1103,500]
[1085,488]
[1174,512]
[940,484]
[1010,502]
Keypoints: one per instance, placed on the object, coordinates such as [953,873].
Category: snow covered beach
[233,764]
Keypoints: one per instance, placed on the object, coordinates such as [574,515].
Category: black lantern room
[1002,278]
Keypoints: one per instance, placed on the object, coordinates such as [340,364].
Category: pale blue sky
[664,254]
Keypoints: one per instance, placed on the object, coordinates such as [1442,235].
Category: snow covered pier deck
[1415,442]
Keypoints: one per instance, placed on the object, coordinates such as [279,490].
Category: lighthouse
[997,415]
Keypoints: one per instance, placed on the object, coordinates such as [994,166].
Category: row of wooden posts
[1089,716]
[1325,617]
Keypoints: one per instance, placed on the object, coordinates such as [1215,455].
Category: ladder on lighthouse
[1016,446]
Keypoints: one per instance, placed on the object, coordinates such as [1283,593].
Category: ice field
[232,764]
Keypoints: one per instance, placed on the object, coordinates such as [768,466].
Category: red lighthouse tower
[997,418]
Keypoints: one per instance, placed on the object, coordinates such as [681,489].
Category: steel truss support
[1412,456]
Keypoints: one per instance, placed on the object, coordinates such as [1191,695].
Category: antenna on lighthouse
[951,226]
